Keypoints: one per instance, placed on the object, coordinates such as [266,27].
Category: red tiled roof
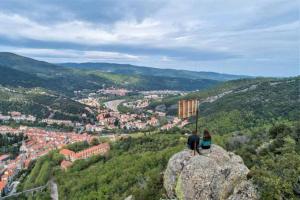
[66,152]
[65,164]
[2,185]
[101,148]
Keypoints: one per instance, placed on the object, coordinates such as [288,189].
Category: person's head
[206,133]
[194,132]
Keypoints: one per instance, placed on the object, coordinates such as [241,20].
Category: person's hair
[194,132]
[206,134]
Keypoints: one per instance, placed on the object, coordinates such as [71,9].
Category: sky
[257,37]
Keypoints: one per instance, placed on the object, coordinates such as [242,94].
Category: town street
[113,105]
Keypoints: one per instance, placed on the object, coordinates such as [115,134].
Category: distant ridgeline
[149,71]
[26,72]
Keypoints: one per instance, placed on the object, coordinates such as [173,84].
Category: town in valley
[116,113]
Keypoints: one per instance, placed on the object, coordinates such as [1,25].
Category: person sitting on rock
[193,142]
[206,141]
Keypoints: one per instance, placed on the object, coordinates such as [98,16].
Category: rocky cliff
[215,174]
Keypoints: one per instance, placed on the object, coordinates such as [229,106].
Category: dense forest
[262,98]
[135,165]
[265,100]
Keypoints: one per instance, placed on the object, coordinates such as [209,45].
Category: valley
[149,100]
[109,135]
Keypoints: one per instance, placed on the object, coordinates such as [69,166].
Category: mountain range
[39,88]
[66,78]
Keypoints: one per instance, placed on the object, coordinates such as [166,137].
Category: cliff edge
[214,175]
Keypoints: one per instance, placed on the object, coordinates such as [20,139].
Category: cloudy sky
[254,37]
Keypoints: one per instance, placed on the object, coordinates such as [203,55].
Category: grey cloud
[96,11]
[244,34]
[182,53]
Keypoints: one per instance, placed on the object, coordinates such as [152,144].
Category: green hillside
[133,167]
[28,65]
[16,78]
[139,82]
[267,97]
[257,103]
[39,102]
[64,80]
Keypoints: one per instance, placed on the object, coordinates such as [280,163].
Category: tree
[94,141]
[117,123]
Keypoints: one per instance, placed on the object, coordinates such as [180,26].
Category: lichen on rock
[215,174]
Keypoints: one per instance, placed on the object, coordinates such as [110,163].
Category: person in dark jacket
[193,142]
[206,141]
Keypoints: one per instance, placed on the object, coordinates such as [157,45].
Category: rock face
[215,174]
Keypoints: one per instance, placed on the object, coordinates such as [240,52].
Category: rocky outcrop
[215,174]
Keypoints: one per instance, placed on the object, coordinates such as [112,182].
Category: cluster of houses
[108,119]
[175,122]
[111,120]
[8,170]
[39,143]
[71,156]
[59,122]
[17,116]
[162,93]
[8,129]
[141,103]
[114,91]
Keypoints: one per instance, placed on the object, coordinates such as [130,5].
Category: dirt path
[54,190]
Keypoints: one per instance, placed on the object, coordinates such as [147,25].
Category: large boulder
[215,174]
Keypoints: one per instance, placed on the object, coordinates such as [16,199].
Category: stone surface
[129,198]
[215,174]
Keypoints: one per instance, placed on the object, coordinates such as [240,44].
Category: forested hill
[16,78]
[40,103]
[255,103]
[28,65]
[33,73]
[258,99]
[149,71]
